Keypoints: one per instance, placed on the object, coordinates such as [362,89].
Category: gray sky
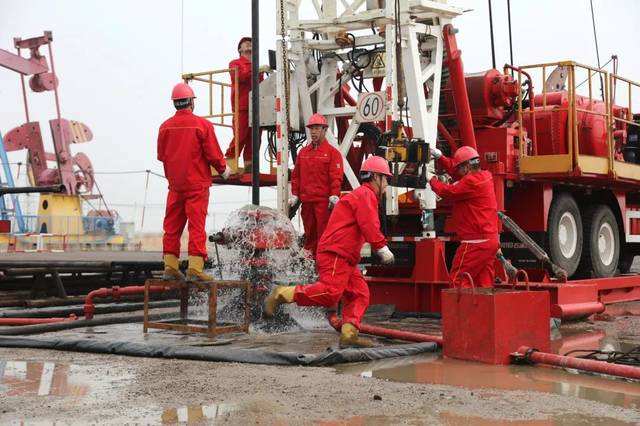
[117,61]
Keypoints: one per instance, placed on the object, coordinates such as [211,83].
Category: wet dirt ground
[53,387]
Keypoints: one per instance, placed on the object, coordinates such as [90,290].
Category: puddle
[196,414]
[22,378]
[433,369]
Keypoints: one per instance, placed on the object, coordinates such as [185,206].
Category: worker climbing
[474,215]
[316,181]
[353,222]
[187,147]
[240,71]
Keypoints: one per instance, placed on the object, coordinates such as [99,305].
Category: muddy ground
[51,387]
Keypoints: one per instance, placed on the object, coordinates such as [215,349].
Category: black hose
[221,354]
[110,308]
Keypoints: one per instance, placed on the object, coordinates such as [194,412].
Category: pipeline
[373,330]
[536,357]
[115,292]
[35,321]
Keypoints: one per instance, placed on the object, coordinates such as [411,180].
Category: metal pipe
[590,365]
[373,330]
[510,39]
[115,292]
[34,321]
[459,87]
[576,310]
[493,49]
[255,102]
[32,189]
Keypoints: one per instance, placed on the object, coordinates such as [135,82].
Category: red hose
[34,321]
[591,365]
[408,336]
[115,292]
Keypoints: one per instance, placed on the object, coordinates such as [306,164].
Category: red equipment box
[488,324]
[5,226]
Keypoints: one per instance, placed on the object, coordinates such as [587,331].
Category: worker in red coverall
[353,222]
[316,181]
[474,215]
[240,68]
[188,148]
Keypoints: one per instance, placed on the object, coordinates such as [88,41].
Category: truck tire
[564,233]
[625,261]
[602,249]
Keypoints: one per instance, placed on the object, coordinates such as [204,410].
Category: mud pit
[75,388]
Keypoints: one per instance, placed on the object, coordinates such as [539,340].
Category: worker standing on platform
[187,147]
[474,215]
[353,222]
[240,70]
[316,181]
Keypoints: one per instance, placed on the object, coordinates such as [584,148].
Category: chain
[285,65]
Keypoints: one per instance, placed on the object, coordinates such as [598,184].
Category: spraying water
[259,244]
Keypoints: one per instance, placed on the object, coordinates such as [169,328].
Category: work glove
[293,200]
[332,201]
[227,172]
[435,153]
[445,178]
[386,256]
[264,68]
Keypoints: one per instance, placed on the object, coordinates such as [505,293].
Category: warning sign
[378,66]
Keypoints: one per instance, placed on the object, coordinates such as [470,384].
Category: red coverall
[187,146]
[316,176]
[475,217]
[243,65]
[354,220]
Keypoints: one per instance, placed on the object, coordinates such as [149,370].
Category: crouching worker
[353,222]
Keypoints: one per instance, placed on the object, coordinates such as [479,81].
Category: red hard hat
[464,154]
[242,40]
[182,91]
[375,164]
[317,120]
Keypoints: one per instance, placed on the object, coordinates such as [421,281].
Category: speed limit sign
[370,107]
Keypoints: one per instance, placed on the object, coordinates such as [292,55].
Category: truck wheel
[602,252]
[564,232]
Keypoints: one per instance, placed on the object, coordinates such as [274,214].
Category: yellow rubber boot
[195,270]
[172,269]
[279,295]
[349,338]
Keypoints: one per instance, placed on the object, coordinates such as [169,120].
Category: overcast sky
[117,61]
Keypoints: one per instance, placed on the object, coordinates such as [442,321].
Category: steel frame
[186,325]
[421,25]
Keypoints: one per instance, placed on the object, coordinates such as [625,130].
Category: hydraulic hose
[532,355]
[373,330]
[35,321]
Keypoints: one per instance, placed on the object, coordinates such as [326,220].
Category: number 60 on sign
[371,107]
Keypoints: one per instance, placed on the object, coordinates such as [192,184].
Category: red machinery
[569,180]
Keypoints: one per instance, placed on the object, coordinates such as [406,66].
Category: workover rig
[564,155]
